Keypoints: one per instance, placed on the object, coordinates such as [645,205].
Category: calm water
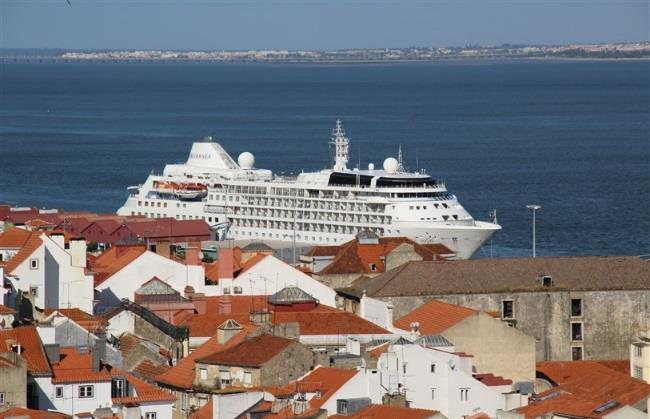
[571,136]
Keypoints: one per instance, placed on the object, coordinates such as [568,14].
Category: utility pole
[534,208]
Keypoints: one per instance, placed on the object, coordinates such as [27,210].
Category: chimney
[53,352]
[78,252]
[99,352]
[163,248]
[192,254]
[226,260]
[225,305]
[415,327]
[59,239]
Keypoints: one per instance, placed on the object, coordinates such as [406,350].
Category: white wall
[271,274]
[125,282]
[60,284]
[418,381]
[366,383]
[376,311]
[70,403]
[122,322]
[230,406]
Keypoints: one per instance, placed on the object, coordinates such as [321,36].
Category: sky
[315,24]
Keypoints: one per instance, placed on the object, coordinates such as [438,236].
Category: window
[373,267]
[433,367]
[33,291]
[433,394]
[237,290]
[86,392]
[226,290]
[118,387]
[224,378]
[2,399]
[576,353]
[203,373]
[638,351]
[33,264]
[638,373]
[576,307]
[507,309]
[464,394]
[150,415]
[58,392]
[248,378]
[576,331]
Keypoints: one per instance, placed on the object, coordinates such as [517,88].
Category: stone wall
[292,363]
[13,381]
[611,319]
[147,331]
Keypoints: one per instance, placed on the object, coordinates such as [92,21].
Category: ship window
[411,207]
[139,202]
[418,207]
[424,207]
[132,212]
[146,204]
[210,219]
[165,204]
[158,204]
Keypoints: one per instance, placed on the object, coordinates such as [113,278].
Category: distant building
[574,307]
[13,382]
[640,357]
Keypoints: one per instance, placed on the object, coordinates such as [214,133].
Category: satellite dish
[246,160]
[391,165]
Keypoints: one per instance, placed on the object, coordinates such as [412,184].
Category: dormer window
[373,267]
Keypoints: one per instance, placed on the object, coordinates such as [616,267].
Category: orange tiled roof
[115,259]
[353,257]
[560,372]
[492,380]
[204,412]
[582,394]
[32,243]
[144,391]
[378,350]
[83,319]
[253,352]
[148,370]
[21,412]
[76,367]
[434,317]
[14,238]
[33,353]
[181,375]
[325,320]
[380,411]
[6,310]
[327,380]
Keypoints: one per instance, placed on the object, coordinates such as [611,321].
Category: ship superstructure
[331,206]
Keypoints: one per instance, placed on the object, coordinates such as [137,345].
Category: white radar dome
[391,165]
[246,160]
[371,167]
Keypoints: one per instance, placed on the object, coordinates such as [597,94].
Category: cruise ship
[245,203]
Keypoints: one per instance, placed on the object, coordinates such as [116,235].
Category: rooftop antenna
[417,161]
[400,167]
[341,144]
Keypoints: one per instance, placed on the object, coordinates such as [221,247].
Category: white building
[436,378]
[51,273]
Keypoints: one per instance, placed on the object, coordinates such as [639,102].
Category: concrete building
[264,360]
[640,357]
[13,385]
[496,347]
[439,378]
[574,307]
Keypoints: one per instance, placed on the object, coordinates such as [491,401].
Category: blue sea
[571,136]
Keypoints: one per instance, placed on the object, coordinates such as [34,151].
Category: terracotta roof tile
[76,367]
[14,238]
[327,380]
[21,412]
[144,392]
[181,375]
[253,352]
[115,259]
[328,321]
[6,310]
[33,353]
[434,317]
[83,319]
[204,412]
[378,350]
[492,380]
[29,247]
[560,372]
[148,370]
[379,411]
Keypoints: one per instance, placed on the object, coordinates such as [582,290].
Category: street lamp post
[534,208]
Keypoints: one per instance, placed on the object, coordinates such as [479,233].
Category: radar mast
[341,144]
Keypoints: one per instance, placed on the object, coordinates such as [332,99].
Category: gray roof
[289,295]
[155,286]
[433,341]
[485,276]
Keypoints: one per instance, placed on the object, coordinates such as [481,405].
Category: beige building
[13,381]
[263,360]
[640,357]
[495,347]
